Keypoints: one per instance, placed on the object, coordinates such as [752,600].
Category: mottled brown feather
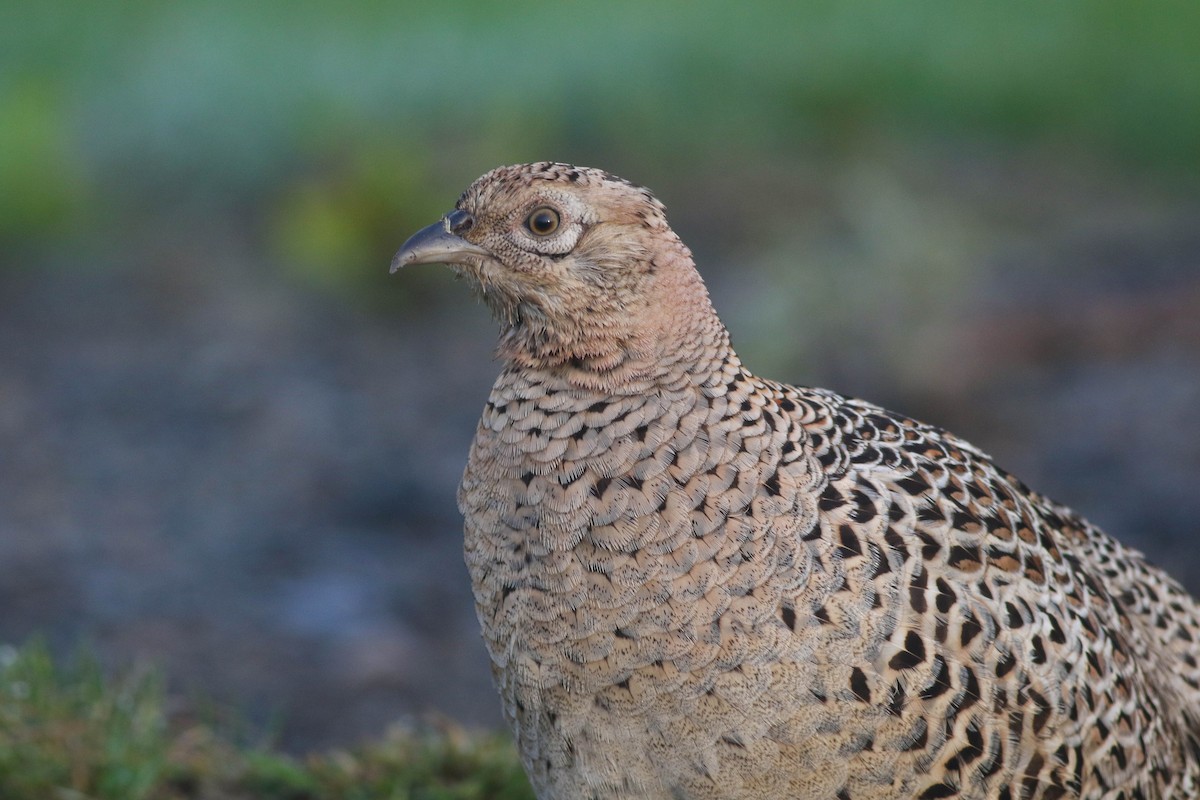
[697,583]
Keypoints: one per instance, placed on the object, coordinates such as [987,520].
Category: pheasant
[697,583]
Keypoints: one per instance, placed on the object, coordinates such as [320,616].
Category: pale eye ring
[543,221]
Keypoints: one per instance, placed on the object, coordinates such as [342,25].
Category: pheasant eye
[543,221]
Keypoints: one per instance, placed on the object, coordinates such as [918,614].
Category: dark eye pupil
[543,221]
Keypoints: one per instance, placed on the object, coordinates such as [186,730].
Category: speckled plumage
[697,583]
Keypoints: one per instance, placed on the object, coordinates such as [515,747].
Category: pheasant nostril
[459,221]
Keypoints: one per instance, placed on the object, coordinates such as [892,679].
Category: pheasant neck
[663,355]
[665,334]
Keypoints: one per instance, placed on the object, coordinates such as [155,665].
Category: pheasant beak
[439,243]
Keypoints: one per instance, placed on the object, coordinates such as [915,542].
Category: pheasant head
[579,267]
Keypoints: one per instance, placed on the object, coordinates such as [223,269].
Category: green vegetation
[319,124]
[68,733]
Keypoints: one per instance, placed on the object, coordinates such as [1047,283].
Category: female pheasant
[697,583]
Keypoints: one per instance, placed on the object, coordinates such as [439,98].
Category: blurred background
[230,442]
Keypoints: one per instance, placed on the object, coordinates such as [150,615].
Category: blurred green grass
[327,128]
[70,732]
[66,729]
